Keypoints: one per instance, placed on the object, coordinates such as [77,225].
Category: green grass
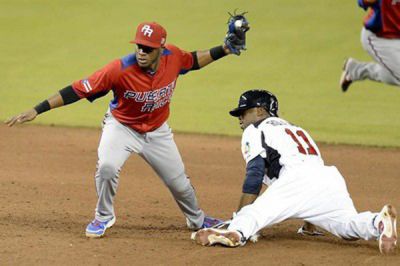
[295,49]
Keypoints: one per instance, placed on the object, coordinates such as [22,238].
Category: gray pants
[386,53]
[159,150]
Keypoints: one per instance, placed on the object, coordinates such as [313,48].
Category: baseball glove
[235,38]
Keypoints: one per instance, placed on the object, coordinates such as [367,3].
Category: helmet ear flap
[273,105]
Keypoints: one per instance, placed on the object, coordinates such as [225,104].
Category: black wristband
[196,65]
[42,107]
[217,52]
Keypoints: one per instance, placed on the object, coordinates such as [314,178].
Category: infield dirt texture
[295,49]
[47,194]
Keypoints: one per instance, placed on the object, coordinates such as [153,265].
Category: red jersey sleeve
[99,83]
[185,58]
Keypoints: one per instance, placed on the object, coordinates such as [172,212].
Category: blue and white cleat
[97,229]
[210,222]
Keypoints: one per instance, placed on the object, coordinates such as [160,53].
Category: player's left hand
[21,118]
[235,39]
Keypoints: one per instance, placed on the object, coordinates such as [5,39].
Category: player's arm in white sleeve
[254,155]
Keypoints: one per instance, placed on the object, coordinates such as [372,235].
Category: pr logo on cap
[147,30]
[150,34]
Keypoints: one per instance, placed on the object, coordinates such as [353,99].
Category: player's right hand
[21,118]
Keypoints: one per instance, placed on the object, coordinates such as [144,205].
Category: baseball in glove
[235,38]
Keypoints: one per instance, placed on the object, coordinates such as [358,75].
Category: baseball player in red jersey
[136,122]
[380,37]
[300,185]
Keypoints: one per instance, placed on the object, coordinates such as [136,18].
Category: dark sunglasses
[145,49]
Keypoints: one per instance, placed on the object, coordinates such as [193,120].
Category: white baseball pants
[317,194]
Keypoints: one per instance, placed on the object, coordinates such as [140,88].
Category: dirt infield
[47,198]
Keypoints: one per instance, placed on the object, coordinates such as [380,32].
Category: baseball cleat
[210,222]
[387,229]
[97,228]
[345,80]
[210,237]
[314,232]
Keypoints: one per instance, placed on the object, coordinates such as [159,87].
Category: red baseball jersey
[383,17]
[141,99]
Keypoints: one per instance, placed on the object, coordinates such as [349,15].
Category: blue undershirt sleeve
[255,171]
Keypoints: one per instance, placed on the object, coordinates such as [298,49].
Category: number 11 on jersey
[310,149]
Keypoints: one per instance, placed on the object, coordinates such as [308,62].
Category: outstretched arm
[206,57]
[63,97]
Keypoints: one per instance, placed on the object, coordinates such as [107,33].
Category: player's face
[248,117]
[147,57]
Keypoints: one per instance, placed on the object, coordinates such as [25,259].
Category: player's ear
[261,112]
[161,51]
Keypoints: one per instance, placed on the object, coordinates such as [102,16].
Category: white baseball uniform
[300,185]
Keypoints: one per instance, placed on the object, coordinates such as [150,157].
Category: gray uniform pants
[386,53]
[159,150]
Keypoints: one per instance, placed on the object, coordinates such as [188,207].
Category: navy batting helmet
[256,98]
